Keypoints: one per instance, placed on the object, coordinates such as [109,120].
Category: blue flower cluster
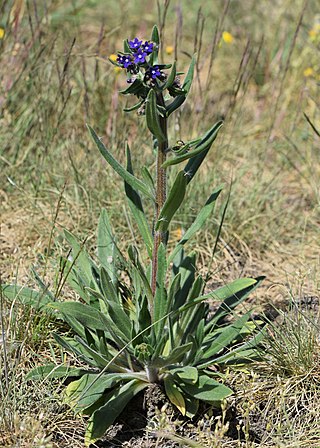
[133,61]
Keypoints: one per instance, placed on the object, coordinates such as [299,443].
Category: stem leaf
[152,117]
[133,181]
[136,208]
[173,202]
[204,145]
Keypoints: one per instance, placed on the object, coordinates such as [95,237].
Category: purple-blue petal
[140,57]
[135,44]
[148,47]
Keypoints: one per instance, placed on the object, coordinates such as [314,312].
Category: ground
[264,82]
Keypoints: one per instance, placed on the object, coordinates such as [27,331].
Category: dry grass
[54,179]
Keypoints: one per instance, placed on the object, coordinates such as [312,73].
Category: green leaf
[189,77]
[81,258]
[134,107]
[141,272]
[160,299]
[118,168]
[87,315]
[176,355]
[174,394]
[229,290]
[100,360]
[171,77]
[133,89]
[179,100]
[187,374]
[54,371]
[195,162]
[198,222]
[72,346]
[203,145]
[83,393]
[136,208]
[155,38]
[226,336]
[247,351]
[26,296]
[108,289]
[152,117]
[207,389]
[173,202]
[236,293]
[126,47]
[106,245]
[103,417]
[192,406]
[239,290]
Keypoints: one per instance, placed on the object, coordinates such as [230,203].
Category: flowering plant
[147,321]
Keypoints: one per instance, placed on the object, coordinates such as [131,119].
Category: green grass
[53,178]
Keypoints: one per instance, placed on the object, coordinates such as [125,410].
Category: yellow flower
[169,49]
[308,72]
[113,57]
[227,37]
[314,33]
[2,33]
[178,233]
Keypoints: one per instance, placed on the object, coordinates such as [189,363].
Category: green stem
[161,192]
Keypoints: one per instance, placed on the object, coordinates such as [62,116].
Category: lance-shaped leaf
[195,162]
[89,388]
[179,100]
[176,356]
[126,46]
[174,394]
[81,258]
[197,224]
[54,371]
[207,389]
[187,374]
[173,202]
[103,417]
[106,245]
[231,293]
[141,272]
[135,183]
[155,38]
[245,353]
[226,336]
[26,296]
[171,77]
[73,346]
[134,107]
[136,208]
[160,299]
[85,314]
[152,117]
[134,88]
[204,145]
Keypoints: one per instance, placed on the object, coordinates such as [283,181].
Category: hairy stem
[161,192]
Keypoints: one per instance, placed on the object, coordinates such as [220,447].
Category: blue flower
[140,56]
[125,60]
[148,47]
[154,72]
[135,44]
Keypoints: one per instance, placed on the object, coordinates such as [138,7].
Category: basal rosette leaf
[104,416]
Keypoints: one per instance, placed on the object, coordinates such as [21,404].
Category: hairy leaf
[118,168]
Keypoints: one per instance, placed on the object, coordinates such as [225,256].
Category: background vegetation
[258,69]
